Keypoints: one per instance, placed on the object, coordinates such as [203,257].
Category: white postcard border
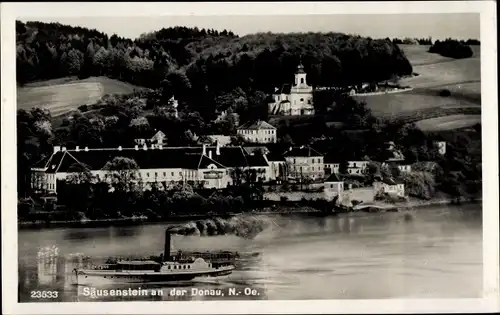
[487,9]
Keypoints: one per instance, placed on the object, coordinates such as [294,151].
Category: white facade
[259,135]
[403,168]
[357,167]
[333,189]
[258,132]
[397,189]
[441,145]
[277,170]
[305,167]
[297,101]
[331,168]
[157,140]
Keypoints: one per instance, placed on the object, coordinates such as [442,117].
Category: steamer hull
[91,277]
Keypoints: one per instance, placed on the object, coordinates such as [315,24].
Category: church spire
[300,67]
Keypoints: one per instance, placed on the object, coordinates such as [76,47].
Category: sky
[435,25]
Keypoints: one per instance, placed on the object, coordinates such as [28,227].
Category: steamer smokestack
[166,253]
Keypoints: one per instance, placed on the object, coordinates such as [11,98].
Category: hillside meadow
[63,95]
[462,77]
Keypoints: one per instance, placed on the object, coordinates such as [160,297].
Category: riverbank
[363,208]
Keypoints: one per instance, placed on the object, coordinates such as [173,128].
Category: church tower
[300,76]
[173,102]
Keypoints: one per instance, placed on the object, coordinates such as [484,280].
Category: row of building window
[180,267]
[313,161]
[254,132]
[295,168]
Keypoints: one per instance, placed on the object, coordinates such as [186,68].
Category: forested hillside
[219,61]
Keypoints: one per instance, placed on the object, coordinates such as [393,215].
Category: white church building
[296,99]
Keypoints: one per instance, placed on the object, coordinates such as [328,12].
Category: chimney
[119,148]
[204,152]
[77,148]
[86,149]
[166,250]
[63,149]
[209,153]
[160,146]
[217,148]
[57,148]
[136,147]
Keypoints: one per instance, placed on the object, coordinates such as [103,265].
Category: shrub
[444,93]
[83,108]
[451,48]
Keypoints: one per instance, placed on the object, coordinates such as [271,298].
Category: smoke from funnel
[242,226]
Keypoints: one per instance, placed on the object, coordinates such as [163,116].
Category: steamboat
[168,267]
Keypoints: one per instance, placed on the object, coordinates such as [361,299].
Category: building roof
[303,151]
[229,156]
[397,162]
[167,157]
[256,125]
[43,163]
[300,69]
[285,89]
[257,160]
[275,157]
[255,148]
[333,178]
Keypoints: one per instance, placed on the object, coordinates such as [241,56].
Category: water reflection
[437,254]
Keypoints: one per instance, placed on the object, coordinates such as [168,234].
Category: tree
[343,167]
[123,173]
[74,61]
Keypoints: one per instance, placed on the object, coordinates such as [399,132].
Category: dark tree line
[472,42]
[413,41]
[451,48]
[212,60]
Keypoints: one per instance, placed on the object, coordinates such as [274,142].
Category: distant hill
[201,59]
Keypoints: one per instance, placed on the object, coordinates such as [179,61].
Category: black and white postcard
[249,157]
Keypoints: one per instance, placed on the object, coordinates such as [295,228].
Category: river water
[433,252]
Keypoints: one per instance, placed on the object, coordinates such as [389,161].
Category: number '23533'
[44,294]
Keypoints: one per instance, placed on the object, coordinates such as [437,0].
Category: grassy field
[448,122]
[418,55]
[63,95]
[462,77]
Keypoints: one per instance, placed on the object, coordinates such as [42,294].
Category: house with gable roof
[304,162]
[333,186]
[395,158]
[258,132]
[389,186]
[156,139]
